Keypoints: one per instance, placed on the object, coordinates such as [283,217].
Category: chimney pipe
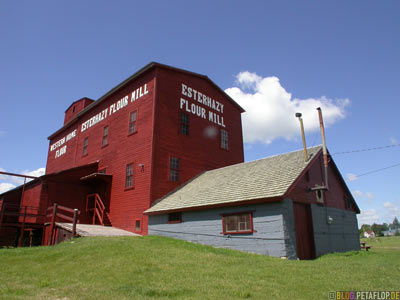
[324,150]
[298,115]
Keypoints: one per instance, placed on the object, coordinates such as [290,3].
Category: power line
[378,170]
[367,149]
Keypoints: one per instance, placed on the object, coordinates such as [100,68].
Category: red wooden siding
[332,198]
[75,108]
[197,151]
[156,138]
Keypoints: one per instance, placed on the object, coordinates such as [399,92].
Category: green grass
[163,268]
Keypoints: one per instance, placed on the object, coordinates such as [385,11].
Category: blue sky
[275,57]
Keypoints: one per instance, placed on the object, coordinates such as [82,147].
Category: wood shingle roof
[264,178]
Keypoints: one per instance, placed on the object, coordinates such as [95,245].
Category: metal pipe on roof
[298,115]
[324,150]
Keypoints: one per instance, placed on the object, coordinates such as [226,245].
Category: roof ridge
[264,158]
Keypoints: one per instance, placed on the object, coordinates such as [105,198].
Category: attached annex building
[264,206]
[163,154]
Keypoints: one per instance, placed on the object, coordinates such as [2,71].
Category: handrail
[9,209]
[57,211]
[61,214]
[98,208]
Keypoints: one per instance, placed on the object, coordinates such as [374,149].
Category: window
[132,122]
[85,146]
[175,217]
[307,176]
[174,169]
[319,195]
[104,141]
[347,203]
[102,171]
[129,176]
[237,223]
[184,124]
[73,108]
[224,139]
[137,225]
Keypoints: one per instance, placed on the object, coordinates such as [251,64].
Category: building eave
[129,79]
[214,206]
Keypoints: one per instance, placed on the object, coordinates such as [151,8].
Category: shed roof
[265,178]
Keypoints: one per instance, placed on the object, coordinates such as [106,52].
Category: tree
[379,228]
[395,224]
[364,228]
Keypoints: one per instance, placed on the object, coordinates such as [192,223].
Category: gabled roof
[143,70]
[265,178]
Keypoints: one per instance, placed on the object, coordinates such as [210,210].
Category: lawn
[164,268]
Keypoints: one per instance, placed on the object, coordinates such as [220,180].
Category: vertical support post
[74,223]
[2,209]
[94,212]
[30,237]
[21,234]
[53,221]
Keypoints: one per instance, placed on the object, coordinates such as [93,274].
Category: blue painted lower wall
[272,222]
[335,230]
[274,225]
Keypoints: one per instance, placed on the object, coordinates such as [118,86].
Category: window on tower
[132,122]
[104,141]
[184,124]
[85,146]
[174,169]
[224,139]
[129,176]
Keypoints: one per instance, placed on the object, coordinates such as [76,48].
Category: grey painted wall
[339,236]
[273,223]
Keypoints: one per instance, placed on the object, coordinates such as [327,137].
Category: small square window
[85,146]
[129,176]
[137,225]
[184,124]
[175,217]
[347,203]
[224,139]
[132,122]
[174,169]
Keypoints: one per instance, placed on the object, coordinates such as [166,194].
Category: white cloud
[393,141]
[270,109]
[357,194]
[368,216]
[36,173]
[12,181]
[369,196]
[351,177]
[5,186]
[392,210]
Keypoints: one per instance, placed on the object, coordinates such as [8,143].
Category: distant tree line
[378,229]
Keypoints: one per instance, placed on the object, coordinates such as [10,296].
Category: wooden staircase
[96,209]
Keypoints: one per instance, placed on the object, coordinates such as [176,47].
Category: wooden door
[304,231]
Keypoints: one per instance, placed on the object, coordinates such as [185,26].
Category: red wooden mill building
[162,153]
[113,157]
